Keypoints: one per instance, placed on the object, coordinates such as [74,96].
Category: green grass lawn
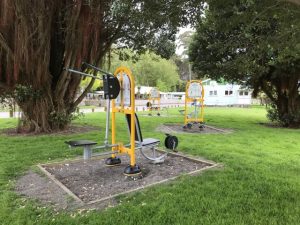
[259,184]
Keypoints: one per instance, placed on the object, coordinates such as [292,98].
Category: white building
[95,95]
[215,95]
[226,94]
[172,95]
[218,94]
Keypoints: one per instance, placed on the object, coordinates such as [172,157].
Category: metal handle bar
[82,74]
[96,68]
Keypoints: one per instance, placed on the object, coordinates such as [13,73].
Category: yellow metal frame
[200,117]
[124,110]
[152,100]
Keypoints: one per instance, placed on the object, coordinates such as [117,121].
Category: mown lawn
[259,184]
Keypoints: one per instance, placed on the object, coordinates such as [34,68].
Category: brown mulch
[93,180]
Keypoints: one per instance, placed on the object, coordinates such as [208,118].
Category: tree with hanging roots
[39,38]
[257,46]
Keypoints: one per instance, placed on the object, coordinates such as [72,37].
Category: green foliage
[148,69]
[164,47]
[24,93]
[98,84]
[255,36]
[62,119]
[162,86]
[284,120]
[61,34]
[256,45]
[21,94]
[144,25]
[272,113]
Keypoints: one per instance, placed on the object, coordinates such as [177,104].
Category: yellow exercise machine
[119,88]
[194,95]
[124,104]
[153,103]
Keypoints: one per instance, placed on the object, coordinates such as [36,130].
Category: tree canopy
[150,70]
[256,45]
[39,38]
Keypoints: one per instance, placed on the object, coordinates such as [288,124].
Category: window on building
[228,92]
[241,93]
[213,93]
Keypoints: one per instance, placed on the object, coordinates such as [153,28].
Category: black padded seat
[150,141]
[80,143]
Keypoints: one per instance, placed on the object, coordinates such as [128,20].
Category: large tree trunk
[285,96]
[47,111]
[288,101]
[37,40]
[36,115]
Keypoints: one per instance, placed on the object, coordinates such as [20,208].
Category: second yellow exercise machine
[194,96]
[153,103]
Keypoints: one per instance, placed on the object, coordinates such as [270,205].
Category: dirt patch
[69,130]
[43,189]
[93,180]
[94,183]
[178,128]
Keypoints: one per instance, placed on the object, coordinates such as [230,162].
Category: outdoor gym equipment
[153,103]
[194,95]
[119,88]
